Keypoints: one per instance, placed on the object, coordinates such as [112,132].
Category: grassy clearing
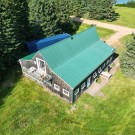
[103,33]
[26,109]
[126,16]
[120,46]
[29,109]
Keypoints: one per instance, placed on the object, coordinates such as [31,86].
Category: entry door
[88,82]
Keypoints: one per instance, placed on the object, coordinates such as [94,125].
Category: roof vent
[72,37]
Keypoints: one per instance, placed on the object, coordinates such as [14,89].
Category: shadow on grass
[76,26]
[11,77]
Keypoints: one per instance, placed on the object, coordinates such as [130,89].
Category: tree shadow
[77,22]
[11,77]
[36,31]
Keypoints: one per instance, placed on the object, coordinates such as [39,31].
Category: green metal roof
[29,57]
[73,59]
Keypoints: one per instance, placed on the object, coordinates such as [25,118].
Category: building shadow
[116,55]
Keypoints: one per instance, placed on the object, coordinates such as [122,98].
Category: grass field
[126,16]
[27,109]
[120,46]
[103,33]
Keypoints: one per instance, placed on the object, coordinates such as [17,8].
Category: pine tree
[42,15]
[102,9]
[63,15]
[128,59]
[2,40]
[14,30]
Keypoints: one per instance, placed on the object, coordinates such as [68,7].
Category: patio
[95,88]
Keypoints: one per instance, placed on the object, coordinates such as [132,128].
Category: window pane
[66,92]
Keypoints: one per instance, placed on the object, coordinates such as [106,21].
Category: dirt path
[121,31]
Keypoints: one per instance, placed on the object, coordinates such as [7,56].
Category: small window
[100,70]
[95,75]
[103,66]
[83,85]
[76,91]
[56,87]
[107,62]
[110,59]
[66,92]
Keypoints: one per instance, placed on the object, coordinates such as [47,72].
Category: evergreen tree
[63,14]
[42,15]
[93,9]
[2,39]
[14,30]
[102,10]
[128,59]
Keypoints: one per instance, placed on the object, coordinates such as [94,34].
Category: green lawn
[27,109]
[120,46]
[103,33]
[126,16]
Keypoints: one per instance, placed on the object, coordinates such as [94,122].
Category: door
[88,82]
[76,94]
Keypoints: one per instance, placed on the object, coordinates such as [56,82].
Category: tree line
[127,60]
[24,20]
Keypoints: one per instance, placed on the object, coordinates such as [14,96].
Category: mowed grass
[121,45]
[28,109]
[103,32]
[126,16]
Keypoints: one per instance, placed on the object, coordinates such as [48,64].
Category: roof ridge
[77,54]
[68,38]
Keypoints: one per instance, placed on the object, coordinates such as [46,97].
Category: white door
[88,82]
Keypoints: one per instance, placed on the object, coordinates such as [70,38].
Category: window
[56,87]
[107,62]
[110,59]
[83,85]
[76,91]
[103,66]
[100,70]
[95,75]
[66,92]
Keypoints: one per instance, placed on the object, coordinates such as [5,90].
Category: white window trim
[83,85]
[76,91]
[100,70]
[67,94]
[38,59]
[94,75]
[110,59]
[107,62]
[103,66]
[56,87]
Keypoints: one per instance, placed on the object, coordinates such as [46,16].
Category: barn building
[70,66]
